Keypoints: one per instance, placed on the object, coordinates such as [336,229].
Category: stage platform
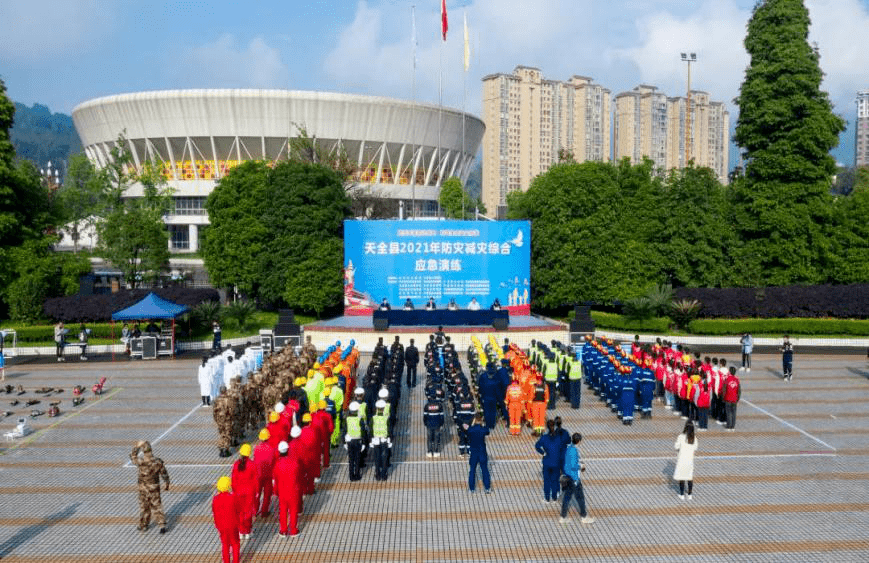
[523,329]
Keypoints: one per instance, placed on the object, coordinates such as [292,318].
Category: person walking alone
[479,456]
[572,483]
[686,445]
[549,447]
[747,347]
[787,359]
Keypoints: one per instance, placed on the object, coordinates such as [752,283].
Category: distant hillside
[41,136]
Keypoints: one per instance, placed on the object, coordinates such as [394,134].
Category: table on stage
[444,317]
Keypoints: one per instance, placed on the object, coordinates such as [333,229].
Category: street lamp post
[688,58]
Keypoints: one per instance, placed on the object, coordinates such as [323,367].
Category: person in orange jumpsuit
[515,406]
[539,399]
[245,484]
[322,422]
[527,379]
[223,507]
[264,455]
[288,486]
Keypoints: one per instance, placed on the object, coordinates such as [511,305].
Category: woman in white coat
[205,381]
[686,444]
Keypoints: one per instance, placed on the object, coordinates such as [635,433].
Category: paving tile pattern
[795,487]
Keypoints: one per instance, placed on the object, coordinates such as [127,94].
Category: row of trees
[606,232]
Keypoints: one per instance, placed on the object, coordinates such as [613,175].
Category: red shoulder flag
[444,24]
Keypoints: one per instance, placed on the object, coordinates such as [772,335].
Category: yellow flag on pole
[467,45]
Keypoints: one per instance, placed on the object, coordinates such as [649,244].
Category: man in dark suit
[411,360]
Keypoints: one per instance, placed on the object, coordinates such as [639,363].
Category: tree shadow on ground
[29,532]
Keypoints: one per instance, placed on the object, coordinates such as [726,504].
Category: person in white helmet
[380,441]
[353,440]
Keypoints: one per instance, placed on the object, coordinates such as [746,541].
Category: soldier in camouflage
[151,469]
[237,415]
[222,411]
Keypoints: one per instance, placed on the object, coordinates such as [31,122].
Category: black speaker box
[381,324]
[581,312]
[500,324]
[584,326]
[286,329]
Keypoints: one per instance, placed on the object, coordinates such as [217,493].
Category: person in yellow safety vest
[354,441]
[312,390]
[337,396]
[574,377]
[359,393]
[550,374]
[380,442]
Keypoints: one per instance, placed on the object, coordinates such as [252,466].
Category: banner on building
[443,260]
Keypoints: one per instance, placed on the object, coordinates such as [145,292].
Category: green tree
[81,199]
[133,236]
[786,129]
[456,203]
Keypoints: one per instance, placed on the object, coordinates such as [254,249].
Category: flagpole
[440,118]
[464,100]
[412,115]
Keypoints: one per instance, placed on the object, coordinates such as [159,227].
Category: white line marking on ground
[171,428]
[789,425]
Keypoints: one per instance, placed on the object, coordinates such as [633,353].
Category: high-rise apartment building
[649,124]
[861,145]
[530,120]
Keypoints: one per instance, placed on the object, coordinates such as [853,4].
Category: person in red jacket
[276,430]
[223,506]
[322,420]
[732,394]
[245,485]
[288,480]
[703,401]
[309,454]
[264,456]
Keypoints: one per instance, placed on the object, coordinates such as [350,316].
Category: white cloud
[37,30]
[224,63]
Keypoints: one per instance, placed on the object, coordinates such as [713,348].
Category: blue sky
[62,52]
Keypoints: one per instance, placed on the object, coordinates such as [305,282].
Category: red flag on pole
[444,24]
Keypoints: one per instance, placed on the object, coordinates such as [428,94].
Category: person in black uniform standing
[433,416]
[411,360]
[787,359]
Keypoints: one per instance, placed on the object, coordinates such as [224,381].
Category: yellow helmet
[302,381]
[306,417]
[223,484]
[316,365]
[338,368]
[244,450]
[321,405]
[273,416]
[264,434]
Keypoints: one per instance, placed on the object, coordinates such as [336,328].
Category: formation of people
[628,381]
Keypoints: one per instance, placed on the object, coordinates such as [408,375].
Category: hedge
[620,322]
[45,333]
[721,327]
[96,308]
[795,301]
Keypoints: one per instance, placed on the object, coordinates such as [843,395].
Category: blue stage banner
[444,260]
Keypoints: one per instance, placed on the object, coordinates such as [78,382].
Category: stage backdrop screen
[444,260]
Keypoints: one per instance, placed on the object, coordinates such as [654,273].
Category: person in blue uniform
[628,395]
[489,386]
[433,417]
[479,456]
[647,387]
[549,447]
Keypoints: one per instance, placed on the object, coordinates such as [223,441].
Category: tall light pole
[688,58]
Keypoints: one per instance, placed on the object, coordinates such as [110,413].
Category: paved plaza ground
[791,484]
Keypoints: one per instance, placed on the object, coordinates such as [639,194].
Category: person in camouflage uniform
[151,469]
[252,399]
[237,416]
[222,410]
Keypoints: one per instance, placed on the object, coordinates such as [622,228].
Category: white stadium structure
[402,150]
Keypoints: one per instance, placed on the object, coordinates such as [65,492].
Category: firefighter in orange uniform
[515,406]
[539,399]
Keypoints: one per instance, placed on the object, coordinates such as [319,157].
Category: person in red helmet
[224,509]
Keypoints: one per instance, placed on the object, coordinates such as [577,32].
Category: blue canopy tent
[151,306]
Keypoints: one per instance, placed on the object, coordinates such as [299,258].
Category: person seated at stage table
[496,305]
[452,305]
[431,305]
[408,305]
[473,305]
[384,305]
[152,329]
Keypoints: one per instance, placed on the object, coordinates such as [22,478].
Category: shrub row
[45,333]
[802,301]
[620,322]
[95,308]
[721,327]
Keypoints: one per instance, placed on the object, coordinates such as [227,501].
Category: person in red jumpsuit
[264,456]
[276,430]
[309,454]
[245,485]
[223,506]
[324,424]
[288,477]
